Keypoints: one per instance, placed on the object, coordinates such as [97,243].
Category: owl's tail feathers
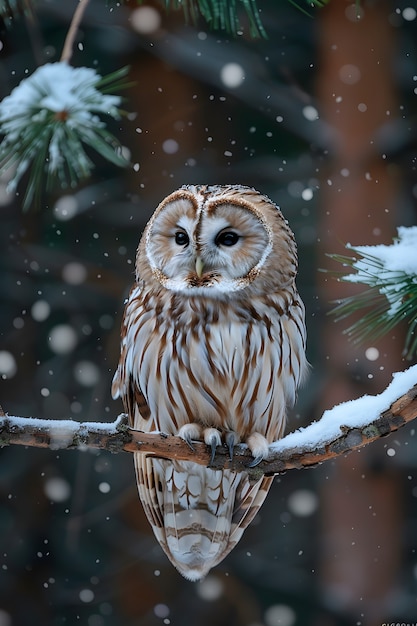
[197,514]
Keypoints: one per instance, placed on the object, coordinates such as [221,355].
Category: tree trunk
[361,508]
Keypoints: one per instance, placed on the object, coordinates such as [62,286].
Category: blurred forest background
[320,116]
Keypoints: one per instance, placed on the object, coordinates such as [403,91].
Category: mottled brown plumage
[213,347]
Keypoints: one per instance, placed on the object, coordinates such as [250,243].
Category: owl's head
[211,240]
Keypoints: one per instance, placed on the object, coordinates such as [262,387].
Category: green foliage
[46,142]
[221,14]
[390,299]
[224,14]
[309,3]
[49,119]
[10,9]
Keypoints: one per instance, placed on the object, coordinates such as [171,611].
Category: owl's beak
[199,264]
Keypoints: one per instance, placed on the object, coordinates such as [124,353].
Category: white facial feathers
[231,230]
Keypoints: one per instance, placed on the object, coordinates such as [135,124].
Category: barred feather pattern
[213,346]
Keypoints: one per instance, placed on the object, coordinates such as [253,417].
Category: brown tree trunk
[356,92]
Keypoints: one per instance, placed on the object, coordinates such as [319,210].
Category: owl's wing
[136,407]
[197,514]
[134,402]
[125,385]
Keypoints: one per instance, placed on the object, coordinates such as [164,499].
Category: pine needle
[391,298]
[221,14]
[49,119]
[10,9]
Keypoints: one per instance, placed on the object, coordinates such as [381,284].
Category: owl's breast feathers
[231,364]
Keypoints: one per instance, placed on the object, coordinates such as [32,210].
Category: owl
[213,349]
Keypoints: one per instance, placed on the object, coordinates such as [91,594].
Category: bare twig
[117,437]
[72,31]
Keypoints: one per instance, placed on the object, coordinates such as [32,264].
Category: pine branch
[117,437]
[11,9]
[221,14]
[224,14]
[390,273]
[49,119]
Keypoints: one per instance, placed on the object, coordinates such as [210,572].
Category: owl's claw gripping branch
[231,439]
[212,453]
[190,432]
[189,443]
[256,460]
[212,439]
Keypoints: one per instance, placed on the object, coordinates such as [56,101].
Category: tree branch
[117,437]
[73,30]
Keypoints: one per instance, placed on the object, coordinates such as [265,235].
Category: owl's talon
[189,443]
[212,438]
[258,445]
[189,433]
[231,439]
[255,461]
[213,452]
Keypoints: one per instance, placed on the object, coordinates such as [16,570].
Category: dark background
[331,546]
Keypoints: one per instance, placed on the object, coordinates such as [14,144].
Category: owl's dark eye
[227,238]
[181,238]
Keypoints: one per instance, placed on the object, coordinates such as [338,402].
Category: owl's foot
[190,432]
[213,439]
[257,443]
[195,432]
[259,447]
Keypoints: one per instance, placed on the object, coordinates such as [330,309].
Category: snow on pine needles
[391,273]
[50,117]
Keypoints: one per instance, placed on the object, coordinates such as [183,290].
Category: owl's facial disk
[197,265]
[207,251]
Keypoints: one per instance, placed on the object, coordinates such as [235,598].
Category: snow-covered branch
[344,428]
[390,273]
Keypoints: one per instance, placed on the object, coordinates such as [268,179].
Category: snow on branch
[348,426]
[390,273]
